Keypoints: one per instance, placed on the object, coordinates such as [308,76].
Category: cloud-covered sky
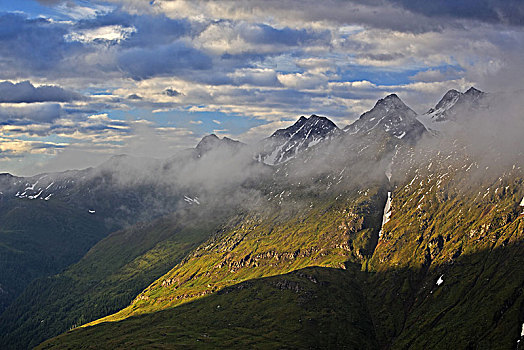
[83,80]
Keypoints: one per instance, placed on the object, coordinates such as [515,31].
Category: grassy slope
[324,308]
[460,221]
[330,233]
[104,281]
[444,223]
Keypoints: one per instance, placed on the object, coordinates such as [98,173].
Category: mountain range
[398,231]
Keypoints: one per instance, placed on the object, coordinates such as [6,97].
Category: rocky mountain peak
[450,97]
[212,141]
[473,92]
[314,124]
[285,144]
[452,104]
[391,101]
[391,115]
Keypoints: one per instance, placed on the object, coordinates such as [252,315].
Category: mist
[226,177]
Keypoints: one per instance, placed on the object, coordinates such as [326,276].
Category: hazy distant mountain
[213,142]
[453,106]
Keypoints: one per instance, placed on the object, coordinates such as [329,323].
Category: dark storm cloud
[31,113]
[493,11]
[174,59]
[265,34]
[150,30]
[413,16]
[28,93]
[29,45]
[383,56]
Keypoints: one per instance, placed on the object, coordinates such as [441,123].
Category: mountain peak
[209,138]
[391,101]
[451,94]
[303,123]
[453,105]
[391,97]
[392,116]
[473,92]
[212,141]
[447,100]
[285,144]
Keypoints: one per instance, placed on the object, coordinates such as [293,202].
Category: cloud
[31,45]
[306,13]
[262,62]
[400,15]
[49,2]
[302,80]
[145,30]
[232,37]
[16,147]
[23,113]
[171,92]
[264,34]
[382,56]
[177,58]
[491,11]
[435,75]
[26,92]
[255,77]
[113,33]
[78,12]
[260,132]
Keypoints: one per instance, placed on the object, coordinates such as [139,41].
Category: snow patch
[401,135]
[272,158]
[32,187]
[190,200]
[314,142]
[440,280]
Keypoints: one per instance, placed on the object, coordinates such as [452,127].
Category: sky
[83,80]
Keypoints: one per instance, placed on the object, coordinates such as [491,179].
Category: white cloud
[78,12]
[114,33]
[302,80]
